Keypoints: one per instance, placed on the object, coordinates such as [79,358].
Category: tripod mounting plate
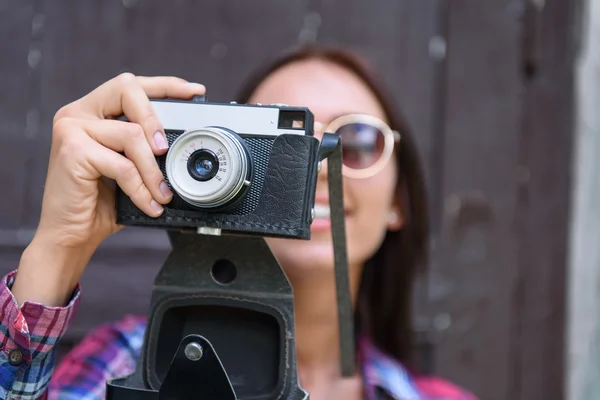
[196,372]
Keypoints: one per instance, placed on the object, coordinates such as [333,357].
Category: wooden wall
[486,85]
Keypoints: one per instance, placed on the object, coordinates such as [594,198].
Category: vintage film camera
[221,315]
[248,169]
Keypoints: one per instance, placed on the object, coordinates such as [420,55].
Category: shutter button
[15,357]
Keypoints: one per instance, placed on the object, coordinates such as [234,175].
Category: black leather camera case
[284,206]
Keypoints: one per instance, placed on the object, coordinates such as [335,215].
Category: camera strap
[331,148]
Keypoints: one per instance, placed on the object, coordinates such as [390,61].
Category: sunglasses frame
[390,136]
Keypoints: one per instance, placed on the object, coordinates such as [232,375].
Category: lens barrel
[209,167]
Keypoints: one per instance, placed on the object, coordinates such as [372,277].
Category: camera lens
[209,167]
[203,165]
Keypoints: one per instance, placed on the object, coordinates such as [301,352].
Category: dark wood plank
[14,69]
[13,175]
[544,202]
[475,263]
[15,72]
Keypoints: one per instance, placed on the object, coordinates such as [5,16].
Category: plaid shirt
[28,336]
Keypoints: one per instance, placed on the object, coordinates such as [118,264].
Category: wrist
[48,273]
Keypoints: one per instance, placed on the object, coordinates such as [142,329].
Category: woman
[386,222]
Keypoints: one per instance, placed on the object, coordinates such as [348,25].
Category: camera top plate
[246,119]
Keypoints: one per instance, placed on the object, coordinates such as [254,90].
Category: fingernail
[158,209]
[164,189]
[160,141]
[196,86]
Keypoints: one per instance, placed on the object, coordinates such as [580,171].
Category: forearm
[48,273]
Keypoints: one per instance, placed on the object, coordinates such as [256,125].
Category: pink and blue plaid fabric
[29,335]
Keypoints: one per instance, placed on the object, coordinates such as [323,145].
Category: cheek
[372,200]
[373,196]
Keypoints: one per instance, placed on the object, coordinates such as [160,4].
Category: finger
[100,104]
[129,138]
[128,95]
[105,100]
[117,167]
[159,87]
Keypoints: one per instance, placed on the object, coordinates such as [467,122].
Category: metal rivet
[193,351]
[37,24]
[32,123]
[312,20]
[539,4]
[313,215]
[442,322]
[34,57]
[319,166]
[437,48]
[310,28]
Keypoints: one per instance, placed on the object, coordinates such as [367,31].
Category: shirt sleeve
[438,388]
[28,336]
[109,351]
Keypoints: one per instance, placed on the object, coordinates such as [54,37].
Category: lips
[322,209]
[322,221]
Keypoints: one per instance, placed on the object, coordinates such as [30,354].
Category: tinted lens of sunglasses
[362,144]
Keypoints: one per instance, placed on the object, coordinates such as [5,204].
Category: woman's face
[330,91]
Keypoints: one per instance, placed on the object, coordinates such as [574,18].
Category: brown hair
[384,306]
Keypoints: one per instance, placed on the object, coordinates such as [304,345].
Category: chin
[303,257]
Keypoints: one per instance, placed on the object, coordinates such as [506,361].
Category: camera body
[237,168]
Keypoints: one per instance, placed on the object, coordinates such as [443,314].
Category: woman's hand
[78,210]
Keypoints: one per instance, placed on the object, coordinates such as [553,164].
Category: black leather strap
[331,148]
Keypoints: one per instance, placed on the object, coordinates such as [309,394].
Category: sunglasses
[367,143]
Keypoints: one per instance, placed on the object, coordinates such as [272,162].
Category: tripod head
[221,321]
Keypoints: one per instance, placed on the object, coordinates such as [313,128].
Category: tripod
[221,321]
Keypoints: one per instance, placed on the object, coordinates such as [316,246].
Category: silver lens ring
[227,182]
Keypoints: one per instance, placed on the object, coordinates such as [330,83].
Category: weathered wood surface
[486,87]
